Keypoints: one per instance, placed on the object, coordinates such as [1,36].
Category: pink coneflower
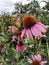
[36,60]
[32,28]
[14,37]
[20,47]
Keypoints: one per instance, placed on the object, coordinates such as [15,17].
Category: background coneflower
[36,60]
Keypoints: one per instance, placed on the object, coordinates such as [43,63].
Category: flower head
[36,60]
[33,28]
[20,47]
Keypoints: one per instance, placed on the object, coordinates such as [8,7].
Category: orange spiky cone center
[28,21]
[35,62]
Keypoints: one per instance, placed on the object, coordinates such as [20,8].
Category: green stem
[39,45]
[3,61]
[47,50]
[34,45]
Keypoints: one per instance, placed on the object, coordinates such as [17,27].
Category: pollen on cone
[28,21]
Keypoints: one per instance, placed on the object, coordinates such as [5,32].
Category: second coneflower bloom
[36,60]
[33,28]
[20,47]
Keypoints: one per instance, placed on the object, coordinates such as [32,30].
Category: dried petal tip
[28,21]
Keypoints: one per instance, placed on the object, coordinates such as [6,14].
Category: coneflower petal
[23,32]
[14,37]
[38,57]
[29,60]
[23,48]
[27,34]
[33,57]
[36,32]
[40,28]
[19,39]
[42,25]
[30,34]
[18,48]
[43,62]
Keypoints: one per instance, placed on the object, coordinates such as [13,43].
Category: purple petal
[23,48]
[23,32]
[42,25]
[18,48]
[14,37]
[43,62]
[29,35]
[36,32]
[19,39]
[40,28]
[29,60]
[39,57]
[33,57]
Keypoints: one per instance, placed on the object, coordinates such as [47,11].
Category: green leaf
[2,38]
[13,54]
[28,41]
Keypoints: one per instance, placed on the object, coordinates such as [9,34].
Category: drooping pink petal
[29,60]
[33,57]
[40,28]
[20,48]
[19,39]
[23,32]
[42,25]
[27,34]
[36,32]
[43,62]
[30,34]
[14,37]
[38,57]
[23,48]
